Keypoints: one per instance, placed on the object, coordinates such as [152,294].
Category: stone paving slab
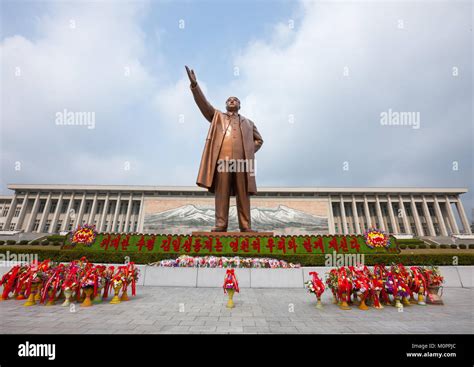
[169,310]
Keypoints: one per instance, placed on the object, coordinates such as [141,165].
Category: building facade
[155,209]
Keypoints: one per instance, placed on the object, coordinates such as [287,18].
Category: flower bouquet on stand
[344,286]
[381,274]
[107,277]
[362,287]
[396,286]
[316,286]
[434,283]
[20,290]
[99,271]
[130,277]
[84,268]
[377,287]
[117,282]
[10,282]
[418,284]
[231,285]
[34,280]
[332,283]
[52,285]
[71,283]
[406,278]
[89,283]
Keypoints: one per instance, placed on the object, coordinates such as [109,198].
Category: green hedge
[410,241]
[56,237]
[304,260]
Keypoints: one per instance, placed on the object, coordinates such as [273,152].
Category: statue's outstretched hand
[191,76]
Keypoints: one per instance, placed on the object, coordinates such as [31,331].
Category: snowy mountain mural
[281,220]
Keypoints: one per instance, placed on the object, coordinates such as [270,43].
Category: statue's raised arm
[206,108]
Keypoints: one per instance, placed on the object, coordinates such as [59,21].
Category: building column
[396,228]
[92,214]
[10,213]
[116,213]
[439,216]
[343,216]
[355,215]
[331,225]
[463,216]
[56,213]
[406,222]
[416,218]
[104,213]
[426,211]
[451,217]
[129,210]
[78,220]
[45,215]
[34,212]
[367,213]
[21,217]
[67,217]
[141,214]
[379,213]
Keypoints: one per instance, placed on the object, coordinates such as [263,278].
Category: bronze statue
[228,161]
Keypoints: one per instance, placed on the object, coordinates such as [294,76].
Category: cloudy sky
[315,77]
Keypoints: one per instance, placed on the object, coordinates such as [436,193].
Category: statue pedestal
[232,234]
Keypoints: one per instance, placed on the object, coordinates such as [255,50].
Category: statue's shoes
[247,230]
[218,229]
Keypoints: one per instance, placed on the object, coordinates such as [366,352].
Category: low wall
[455,276]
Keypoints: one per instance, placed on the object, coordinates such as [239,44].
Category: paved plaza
[202,310]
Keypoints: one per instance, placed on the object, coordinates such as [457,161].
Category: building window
[41,206]
[64,206]
[58,226]
[69,227]
[53,206]
[402,227]
[123,208]
[437,229]
[5,211]
[77,205]
[390,229]
[17,212]
[36,225]
[47,225]
[12,226]
[106,225]
[1,226]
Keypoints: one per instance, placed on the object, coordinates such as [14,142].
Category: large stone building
[151,209]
